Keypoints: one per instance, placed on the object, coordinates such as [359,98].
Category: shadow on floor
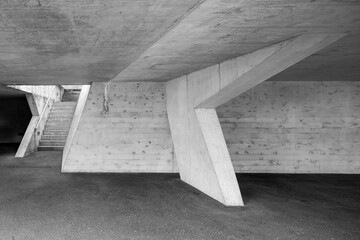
[37,202]
[8,149]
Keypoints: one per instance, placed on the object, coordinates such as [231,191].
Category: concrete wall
[294,127]
[123,128]
[15,116]
[276,127]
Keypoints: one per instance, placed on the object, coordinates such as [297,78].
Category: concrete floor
[37,202]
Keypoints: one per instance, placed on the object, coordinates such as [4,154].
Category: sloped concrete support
[75,121]
[200,148]
[203,158]
[219,156]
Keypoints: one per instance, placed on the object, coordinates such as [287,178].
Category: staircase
[59,121]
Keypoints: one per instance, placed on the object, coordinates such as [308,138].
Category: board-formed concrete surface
[78,42]
[37,202]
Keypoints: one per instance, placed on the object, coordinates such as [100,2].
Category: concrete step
[57,128]
[63,111]
[58,121]
[55,132]
[70,109]
[64,103]
[61,115]
[61,138]
[64,108]
[55,122]
[60,118]
[61,124]
[51,143]
[50,148]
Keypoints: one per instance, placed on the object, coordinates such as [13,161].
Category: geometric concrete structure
[98,140]
[155,72]
[83,42]
[200,148]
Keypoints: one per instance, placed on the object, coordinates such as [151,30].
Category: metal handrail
[43,111]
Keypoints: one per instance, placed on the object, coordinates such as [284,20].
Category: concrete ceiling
[77,42]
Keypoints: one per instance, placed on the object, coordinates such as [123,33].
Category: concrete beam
[203,158]
[242,73]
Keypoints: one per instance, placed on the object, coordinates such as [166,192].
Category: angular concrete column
[198,160]
[85,90]
[203,158]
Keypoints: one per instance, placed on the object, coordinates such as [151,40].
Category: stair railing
[44,109]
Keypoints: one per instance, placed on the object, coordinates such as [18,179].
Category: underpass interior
[199,119]
[39,202]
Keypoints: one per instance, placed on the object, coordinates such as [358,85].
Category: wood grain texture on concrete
[220,30]
[79,42]
[294,127]
[123,128]
[72,42]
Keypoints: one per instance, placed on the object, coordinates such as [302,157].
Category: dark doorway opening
[15,116]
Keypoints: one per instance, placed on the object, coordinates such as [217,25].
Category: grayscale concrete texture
[37,202]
